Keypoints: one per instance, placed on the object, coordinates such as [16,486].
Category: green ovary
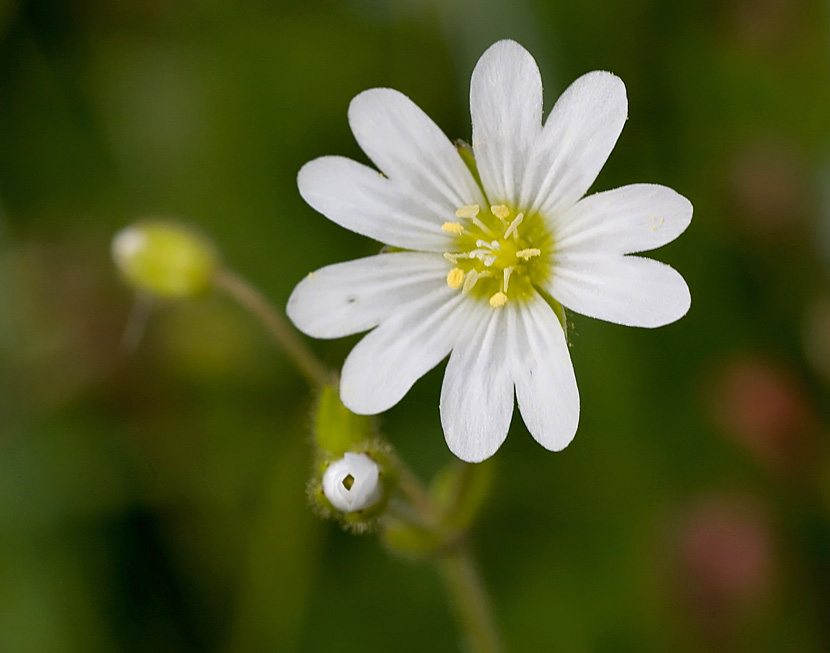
[500,254]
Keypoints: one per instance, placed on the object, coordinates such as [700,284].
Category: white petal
[542,371]
[381,369]
[628,290]
[355,296]
[506,110]
[364,201]
[625,220]
[578,136]
[477,394]
[412,151]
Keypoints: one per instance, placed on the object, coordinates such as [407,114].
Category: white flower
[351,483]
[487,262]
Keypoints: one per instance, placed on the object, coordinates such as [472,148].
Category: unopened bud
[352,483]
[164,258]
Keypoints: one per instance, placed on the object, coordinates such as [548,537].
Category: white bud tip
[352,483]
[127,243]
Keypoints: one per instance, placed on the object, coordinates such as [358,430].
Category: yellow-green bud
[164,258]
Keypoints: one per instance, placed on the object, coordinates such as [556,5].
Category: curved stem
[315,372]
[417,495]
[470,600]
[464,584]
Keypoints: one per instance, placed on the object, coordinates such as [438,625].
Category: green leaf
[460,490]
[409,540]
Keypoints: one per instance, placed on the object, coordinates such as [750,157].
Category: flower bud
[352,483]
[164,258]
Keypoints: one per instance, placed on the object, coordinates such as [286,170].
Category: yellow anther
[455,278]
[500,211]
[528,253]
[498,300]
[468,211]
[453,227]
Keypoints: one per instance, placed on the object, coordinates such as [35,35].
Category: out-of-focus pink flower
[816,336]
[763,407]
[762,25]
[726,558]
[767,189]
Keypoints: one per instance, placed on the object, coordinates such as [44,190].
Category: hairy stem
[467,593]
[470,600]
[314,371]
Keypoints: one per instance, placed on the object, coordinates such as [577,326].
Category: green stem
[470,601]
[462,579]
[417,495]
[466,589]
[315,372]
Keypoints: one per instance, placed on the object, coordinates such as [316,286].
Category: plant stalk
[470,601]
[303,358]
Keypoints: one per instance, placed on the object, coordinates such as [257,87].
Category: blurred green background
[154,500]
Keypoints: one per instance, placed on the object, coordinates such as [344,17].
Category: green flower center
[499,254]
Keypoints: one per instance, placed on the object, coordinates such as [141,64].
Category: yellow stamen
[453,227]
[498,300]
[470,281]
[468,211]
[500,211]
[528,253]
[513,229]
[455,278]
[507,272]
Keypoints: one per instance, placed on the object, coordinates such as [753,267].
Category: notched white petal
[546,390]
[626,220]
[506,112]
[477,393]
[383,366]
[628,290]
[411,149]
[362,200]
[574,144]
[355,296]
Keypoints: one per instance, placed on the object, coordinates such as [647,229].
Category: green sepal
[336,428]
[465,150]
[459,491]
